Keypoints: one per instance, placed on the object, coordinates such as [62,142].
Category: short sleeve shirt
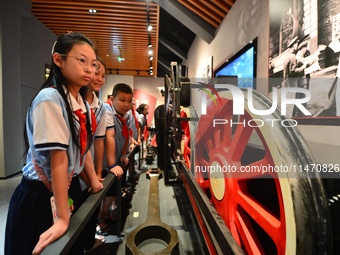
[98,108]
[112,122]
[48,129]
[142,122]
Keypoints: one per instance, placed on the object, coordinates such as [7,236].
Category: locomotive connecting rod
[153,227]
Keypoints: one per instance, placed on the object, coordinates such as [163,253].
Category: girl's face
[122,102]
[78,66]
[146,110]
[98,79]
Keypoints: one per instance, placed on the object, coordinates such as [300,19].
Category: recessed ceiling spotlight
[149,27]
[150,52]
[92,11]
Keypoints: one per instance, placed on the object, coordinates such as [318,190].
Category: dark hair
[141,108]
[64,45]
[121,87]
[101,61]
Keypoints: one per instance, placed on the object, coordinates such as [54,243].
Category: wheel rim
[258,225]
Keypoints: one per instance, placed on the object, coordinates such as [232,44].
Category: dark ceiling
[174,42]
[118,28]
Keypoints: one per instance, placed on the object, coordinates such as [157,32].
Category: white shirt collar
[95,101]
[115,112]
[76,103]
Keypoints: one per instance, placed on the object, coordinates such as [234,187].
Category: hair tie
[53,47]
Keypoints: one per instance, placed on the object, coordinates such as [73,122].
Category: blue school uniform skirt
[30,214]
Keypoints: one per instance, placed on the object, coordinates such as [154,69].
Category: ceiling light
[149,28]
[151,57]
[150,45]
[120,59]
[150,52]
[92,11]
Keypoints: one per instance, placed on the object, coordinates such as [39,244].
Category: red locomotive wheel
[281,210]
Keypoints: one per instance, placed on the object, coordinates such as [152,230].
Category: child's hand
[50,235]
[96,186]
[125,160]
[117,171]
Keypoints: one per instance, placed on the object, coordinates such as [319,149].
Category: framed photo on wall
[304,53]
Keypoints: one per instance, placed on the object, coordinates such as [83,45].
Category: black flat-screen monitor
[242,65]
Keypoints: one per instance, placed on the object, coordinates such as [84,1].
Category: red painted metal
[224,145]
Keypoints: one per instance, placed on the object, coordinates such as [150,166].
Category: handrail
[79,220]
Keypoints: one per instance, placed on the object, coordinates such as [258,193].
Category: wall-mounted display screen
[242,65]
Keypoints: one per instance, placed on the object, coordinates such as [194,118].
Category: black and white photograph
[304,52]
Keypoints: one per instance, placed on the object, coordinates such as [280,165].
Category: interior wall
[111,80]
[25,50]
[2,159]
[11,113]
[34,56]
[243,23]
[246,20]
[150,86]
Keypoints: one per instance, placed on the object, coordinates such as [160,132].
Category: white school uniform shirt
[48,129]
[98,108]
[142,122]
[133,124]
[112,122]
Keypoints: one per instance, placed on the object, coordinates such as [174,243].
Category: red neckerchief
[108,101]
[125,129]
[93,122]
[82,133]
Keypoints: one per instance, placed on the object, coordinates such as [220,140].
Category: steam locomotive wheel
[272,212]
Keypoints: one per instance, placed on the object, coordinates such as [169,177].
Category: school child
[143,111]
[117,142]
[135,140]
[98,117]
[134,124]
[58,135]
